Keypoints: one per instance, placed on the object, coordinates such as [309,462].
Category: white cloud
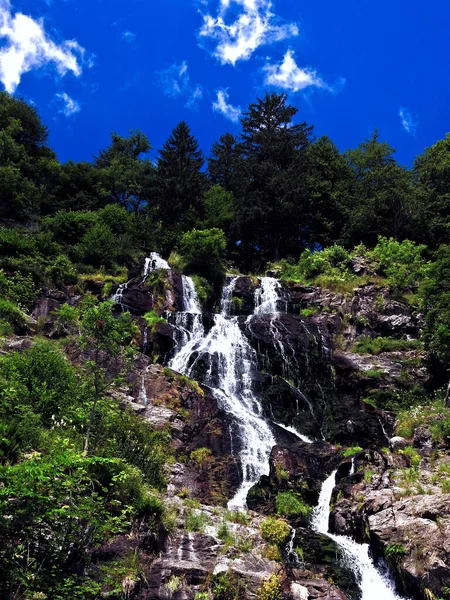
[233,113]
[409,124]
[176,82]
[128,36]
[238,37]
[69,106]
[27,46]
[289,76]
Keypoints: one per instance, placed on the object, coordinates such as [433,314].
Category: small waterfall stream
[374,586]
[230,360]
[223,359]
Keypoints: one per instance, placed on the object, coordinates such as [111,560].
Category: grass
[195,520]
[367,345]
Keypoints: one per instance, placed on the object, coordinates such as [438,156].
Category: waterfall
[302,437]
[267,297]
[153,262]
[230,361]
[373,585]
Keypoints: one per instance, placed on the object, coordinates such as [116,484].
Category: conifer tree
[270,210]
[180,182]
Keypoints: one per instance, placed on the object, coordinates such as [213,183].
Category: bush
[61,271]
[394,553]
[349,452]
[203,288]
[275,531]
[401,262]
[204,252]
[98,247]
[367,345]
[19,289]
[270,589]
[291,504]
[11,313]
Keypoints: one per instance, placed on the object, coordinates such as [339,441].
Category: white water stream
[374,585]
[230,360]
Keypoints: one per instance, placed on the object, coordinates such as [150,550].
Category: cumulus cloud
[27,46]
[128,36]
[289,76]
[222,106]
[409,123]
[176,83]
[69,106]
[241,26]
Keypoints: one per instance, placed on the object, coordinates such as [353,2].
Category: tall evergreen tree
[269,211]
[330,183]
[380,203]
[225,163]
[180,182]
[431,212]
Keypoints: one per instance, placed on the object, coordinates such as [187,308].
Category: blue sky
[94,66]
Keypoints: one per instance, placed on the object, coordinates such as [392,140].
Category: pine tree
[380,202]
[270,211]
[225,163]
[180,182]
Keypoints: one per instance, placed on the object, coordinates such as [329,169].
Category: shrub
[227,586]
[352,451]
[291,504]
[394,553]
[203,288]
[367,345]
[61,271]
[201,457]
[204,252]
[152,318]
[196,520]
[401,262]
[11,313]
[275,531]
[270,589]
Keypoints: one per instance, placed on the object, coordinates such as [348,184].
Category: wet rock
[303,467]
[244,294]
[423,440]
[398,443]
[299,592]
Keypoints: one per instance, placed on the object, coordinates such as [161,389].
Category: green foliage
[152,319]
[61,271]
[275,531]
[270,589]
[196,520]
[10,313]
[349,452]
[204,252]
[394,553]
[368,345]
[203,288]
[291,504]
[436,300]
[227,586]
[201,457]
[401,262]
[219,208]
[413,456]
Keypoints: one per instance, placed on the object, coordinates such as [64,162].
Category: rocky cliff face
[313,385]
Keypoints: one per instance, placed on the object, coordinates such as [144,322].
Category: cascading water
[153,262]
[374,586]
[267,297]
[230,361]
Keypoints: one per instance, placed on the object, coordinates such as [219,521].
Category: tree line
[273,190]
